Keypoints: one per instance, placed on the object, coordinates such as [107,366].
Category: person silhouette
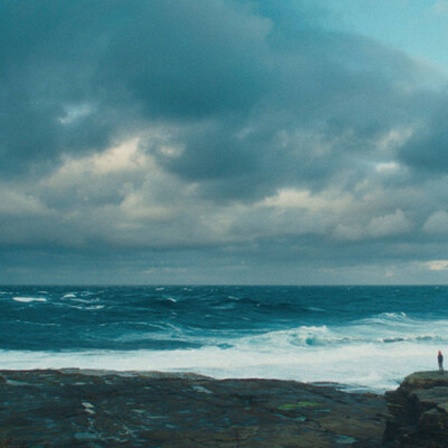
[440,361]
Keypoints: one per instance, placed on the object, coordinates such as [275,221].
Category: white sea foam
[70,295]
[29,299]
[371,366]
[87,308]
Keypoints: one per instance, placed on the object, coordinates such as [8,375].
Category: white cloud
[331,200]
[387,225]
[125,157]
[437,265]
[376,227]
[394,138]
[437,223]
[387,167]
[349,232]
[15,202]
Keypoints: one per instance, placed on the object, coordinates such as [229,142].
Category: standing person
[440,361]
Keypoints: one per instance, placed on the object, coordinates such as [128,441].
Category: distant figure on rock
[440,361]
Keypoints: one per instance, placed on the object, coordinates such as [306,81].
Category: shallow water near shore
[366,338]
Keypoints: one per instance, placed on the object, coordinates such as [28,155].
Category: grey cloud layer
[234,104]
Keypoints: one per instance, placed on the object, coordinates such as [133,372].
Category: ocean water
[365,338]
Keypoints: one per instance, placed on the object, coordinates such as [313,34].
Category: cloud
[387,225]
[235,81]
[437,265]
[440,7]
[426,151]
[227,129]
[391,225]
[437,223]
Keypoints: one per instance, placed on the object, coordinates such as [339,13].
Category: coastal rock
[76,408]
[419,412]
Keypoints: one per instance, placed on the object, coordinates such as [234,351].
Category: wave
[323,336]
[29,299]
[388,318]
[70,295]
[375,368]
[359,355]
[308,335]
[87,308]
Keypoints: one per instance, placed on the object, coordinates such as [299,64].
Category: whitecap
[87,308]
[29,299]
[68,296]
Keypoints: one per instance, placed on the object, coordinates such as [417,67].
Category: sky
[223,142]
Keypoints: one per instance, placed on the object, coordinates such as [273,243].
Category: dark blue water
[225,330]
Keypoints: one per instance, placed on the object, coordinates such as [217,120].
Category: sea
[364,338]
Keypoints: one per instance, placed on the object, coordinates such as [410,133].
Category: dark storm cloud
[47,53]
[427,151]
[245,131]
[124,63]
[78,75]
[189,59]
[332,100]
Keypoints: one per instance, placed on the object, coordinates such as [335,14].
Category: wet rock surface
[419,412]
[73,408]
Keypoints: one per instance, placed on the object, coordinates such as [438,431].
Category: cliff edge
[418,412]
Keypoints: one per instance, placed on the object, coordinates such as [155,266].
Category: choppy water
[364,337]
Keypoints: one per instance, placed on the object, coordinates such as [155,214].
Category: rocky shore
[418,412]
[74,408]
[95,409]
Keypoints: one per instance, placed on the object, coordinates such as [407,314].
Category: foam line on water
[375,367]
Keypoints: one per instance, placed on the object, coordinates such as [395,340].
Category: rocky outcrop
[73,408]
[95,409]
[419,412]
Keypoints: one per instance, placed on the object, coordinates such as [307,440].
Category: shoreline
[96,408]
[345,387]
[161,374]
